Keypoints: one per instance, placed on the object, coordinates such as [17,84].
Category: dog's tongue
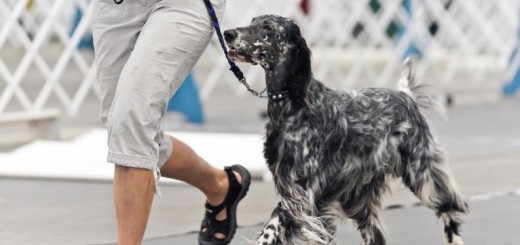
[256,55]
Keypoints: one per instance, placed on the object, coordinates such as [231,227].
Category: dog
[331,153]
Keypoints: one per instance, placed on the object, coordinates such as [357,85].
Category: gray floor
[482,141]
[494,221]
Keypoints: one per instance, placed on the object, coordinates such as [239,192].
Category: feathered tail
[409,85]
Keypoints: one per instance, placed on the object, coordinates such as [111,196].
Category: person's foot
[219,224]
[219,198]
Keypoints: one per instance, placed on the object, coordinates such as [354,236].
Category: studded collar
[277,96]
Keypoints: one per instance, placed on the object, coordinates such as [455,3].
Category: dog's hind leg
[429,177]
[365,210]
[452,225]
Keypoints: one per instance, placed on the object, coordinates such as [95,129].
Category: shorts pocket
[107,11]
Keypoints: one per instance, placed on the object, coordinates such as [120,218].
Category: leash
[234,68]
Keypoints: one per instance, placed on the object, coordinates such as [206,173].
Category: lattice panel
[354,43]
[361,43]
[36,30]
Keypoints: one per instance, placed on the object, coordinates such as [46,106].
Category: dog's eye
[268,28]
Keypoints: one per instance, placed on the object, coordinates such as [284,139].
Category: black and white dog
[332,153]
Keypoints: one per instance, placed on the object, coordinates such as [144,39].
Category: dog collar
[277,96]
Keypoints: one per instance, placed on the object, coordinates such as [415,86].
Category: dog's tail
[410,86]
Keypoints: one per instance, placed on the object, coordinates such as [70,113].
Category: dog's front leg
[272,231]
[290,224]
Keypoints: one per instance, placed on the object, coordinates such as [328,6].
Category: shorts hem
[132,161]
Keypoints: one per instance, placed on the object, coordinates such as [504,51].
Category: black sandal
[210,225]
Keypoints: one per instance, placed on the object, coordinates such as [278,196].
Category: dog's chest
[290,142]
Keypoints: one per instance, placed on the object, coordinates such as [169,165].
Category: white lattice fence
[354,42]
[352,46]
[37,51]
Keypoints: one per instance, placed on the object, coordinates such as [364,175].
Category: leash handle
[234,68]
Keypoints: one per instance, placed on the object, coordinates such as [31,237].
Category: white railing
[353,45]
[43,30]
[469,50]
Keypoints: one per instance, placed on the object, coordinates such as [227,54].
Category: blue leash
[234,68]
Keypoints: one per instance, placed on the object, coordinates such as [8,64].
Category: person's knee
[132,136]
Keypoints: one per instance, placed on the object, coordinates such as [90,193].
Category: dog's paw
[456,240]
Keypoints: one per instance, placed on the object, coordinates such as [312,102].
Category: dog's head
[266,41]
[276,44]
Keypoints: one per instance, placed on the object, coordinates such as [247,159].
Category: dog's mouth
[250,57]
[235,55]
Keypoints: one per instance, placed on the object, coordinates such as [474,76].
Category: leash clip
[252,91]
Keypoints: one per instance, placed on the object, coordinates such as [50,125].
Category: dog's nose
[230,35]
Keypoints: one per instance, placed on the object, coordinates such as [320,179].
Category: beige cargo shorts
[143,50]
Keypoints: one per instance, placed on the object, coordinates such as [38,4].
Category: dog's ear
[299,59]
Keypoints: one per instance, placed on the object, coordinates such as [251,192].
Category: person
[144,49]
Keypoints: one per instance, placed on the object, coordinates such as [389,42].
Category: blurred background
[54,181]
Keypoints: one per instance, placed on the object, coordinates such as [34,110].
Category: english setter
[331,153]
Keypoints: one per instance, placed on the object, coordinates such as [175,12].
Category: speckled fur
[331,152]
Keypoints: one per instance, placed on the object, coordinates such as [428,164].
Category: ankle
[218,190]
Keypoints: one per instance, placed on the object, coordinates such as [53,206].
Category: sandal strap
[232,194]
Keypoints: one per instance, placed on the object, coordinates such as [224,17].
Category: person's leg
[177,159]
[133,195]
[181,162]
[169,44]
[115,30]
[167,48]
[185,165]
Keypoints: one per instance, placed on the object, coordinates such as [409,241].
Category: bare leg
[185,165]
[133,199]
[133,195]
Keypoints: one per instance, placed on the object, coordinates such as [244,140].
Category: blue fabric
[187,101]
[412,49]
[85,42]
[514,85]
